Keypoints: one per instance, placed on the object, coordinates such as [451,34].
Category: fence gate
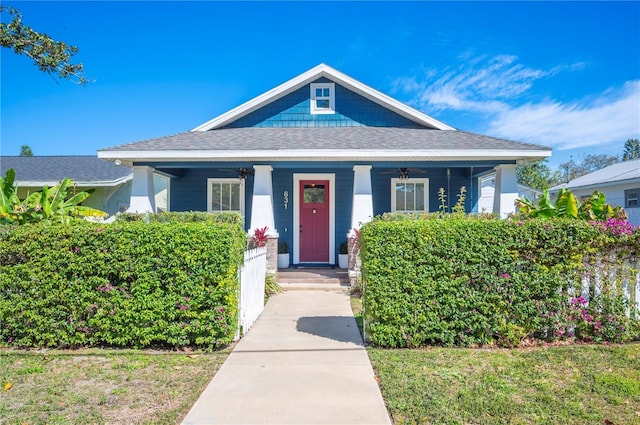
[252,276]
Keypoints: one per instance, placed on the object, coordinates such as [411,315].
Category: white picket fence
[252,276]
[609,275]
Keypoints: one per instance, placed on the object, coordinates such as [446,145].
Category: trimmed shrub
[183,217]
[124,284]
[473,281]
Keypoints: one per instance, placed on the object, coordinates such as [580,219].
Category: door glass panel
[215,197]
[314,193]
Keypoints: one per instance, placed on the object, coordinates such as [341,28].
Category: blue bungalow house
[316,157]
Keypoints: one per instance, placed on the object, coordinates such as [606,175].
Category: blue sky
[565,75]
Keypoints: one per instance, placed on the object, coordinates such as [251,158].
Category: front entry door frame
[297,178]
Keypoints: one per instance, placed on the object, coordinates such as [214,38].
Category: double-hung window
[323,98]
[632,198]
[225,195]
[410,195]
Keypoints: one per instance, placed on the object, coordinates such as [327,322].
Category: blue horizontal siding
[294,110]
[381,186]
[189,192]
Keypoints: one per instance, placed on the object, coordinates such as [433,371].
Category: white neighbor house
[619,182]
[487,185]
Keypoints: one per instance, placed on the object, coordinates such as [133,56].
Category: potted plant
[343,255]
[283,255]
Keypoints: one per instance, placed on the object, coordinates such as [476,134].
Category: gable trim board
[310,76]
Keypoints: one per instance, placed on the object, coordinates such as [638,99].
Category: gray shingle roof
[87,169]
[382,138]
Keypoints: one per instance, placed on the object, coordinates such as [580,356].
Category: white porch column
[143,198]
[506,190]
[362,209]
[262,205]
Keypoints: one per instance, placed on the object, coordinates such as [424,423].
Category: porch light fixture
[404,173]
[243,173]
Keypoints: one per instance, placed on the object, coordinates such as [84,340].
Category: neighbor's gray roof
[335,138]
[52,169]
[616,173]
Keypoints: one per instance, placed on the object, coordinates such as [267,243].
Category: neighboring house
[111,184]
[619,182]
[316,157]
[487,186]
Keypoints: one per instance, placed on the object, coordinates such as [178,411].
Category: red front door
[314,221]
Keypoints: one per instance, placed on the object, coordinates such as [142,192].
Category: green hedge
[183,217]
[465,281]
[122,284]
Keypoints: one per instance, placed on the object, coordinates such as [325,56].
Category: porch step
[313,278]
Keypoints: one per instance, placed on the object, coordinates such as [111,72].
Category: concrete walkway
[303,362]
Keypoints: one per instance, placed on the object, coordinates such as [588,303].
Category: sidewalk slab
[302,362]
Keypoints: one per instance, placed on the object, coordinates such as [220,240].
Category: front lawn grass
[573,384]
[102,385]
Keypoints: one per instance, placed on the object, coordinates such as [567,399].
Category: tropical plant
[283,248]
[53,204]
[344,248]
[49,204]
[9,201]
[260,236]
[568,206]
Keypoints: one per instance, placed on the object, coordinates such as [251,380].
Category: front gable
[289,105]
[349,109]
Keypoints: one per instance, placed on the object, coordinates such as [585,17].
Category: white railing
[252,276]
[612,276]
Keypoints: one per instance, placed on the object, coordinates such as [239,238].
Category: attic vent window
[323,98]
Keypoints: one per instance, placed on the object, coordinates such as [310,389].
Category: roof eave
[128,157]
[313,74]
[593,186]
[78,183]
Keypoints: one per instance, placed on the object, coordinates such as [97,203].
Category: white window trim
[332,98]
[426,194]
[223,180]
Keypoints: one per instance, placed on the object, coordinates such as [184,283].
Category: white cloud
[613,116]
[498,88]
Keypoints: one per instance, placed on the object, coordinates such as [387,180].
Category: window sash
[322,98]
[632,199]
[225,195]
[410,195]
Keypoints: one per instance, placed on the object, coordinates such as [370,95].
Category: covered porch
[314,206]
